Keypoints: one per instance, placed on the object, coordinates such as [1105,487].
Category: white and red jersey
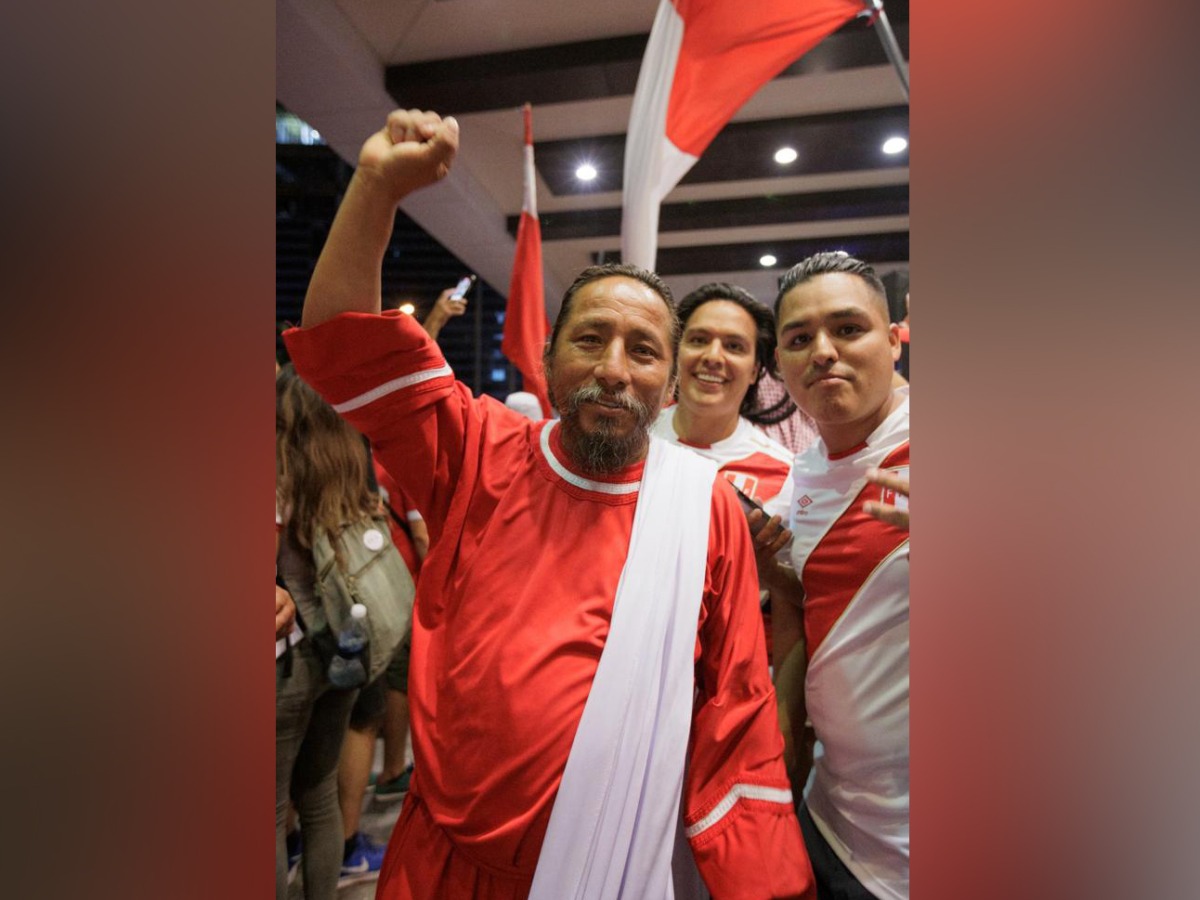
[757,466]
[511,615]
[854,569]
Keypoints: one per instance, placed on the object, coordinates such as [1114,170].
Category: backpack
[372,573]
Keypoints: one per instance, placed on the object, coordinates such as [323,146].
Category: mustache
[814,375]
[593,393]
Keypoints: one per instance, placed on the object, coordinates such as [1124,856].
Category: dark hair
[614,270]
[825,264]
[764,330]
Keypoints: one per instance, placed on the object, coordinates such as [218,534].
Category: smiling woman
[727,343]
[718,367]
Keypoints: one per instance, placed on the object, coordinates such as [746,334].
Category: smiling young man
[587,664]
[850,550]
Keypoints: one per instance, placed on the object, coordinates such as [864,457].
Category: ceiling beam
[828,142]
[883,247]
[734,212]
[584,70]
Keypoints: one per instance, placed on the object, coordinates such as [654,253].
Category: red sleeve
[738,804]
[389,380]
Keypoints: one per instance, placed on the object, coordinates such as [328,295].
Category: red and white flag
[525,325]
[704,60]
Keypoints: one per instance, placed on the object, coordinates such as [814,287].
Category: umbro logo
[805,501]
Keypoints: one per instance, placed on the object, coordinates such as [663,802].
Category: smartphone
[460,289]
[749,504]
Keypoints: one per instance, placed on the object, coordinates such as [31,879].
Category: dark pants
[834,880]
[310,722]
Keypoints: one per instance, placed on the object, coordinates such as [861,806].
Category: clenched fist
[412,150]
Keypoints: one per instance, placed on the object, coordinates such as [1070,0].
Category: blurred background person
[778,417]
[321,483]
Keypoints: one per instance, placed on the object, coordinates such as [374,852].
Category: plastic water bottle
[349,669]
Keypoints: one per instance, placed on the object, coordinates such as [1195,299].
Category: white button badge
[373,539]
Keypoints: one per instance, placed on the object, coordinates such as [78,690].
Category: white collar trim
[586,484]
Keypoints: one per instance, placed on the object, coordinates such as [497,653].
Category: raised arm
[444,309]
[412,150]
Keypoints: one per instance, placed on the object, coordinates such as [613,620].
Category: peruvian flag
[704,60]
[525,325]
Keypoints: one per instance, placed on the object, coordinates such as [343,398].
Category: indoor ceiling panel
[583,70]
[739,212]
[882,247]
[829,142]
[479,60]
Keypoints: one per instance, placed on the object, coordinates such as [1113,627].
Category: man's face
[716,359]
[836,353]
[610,371]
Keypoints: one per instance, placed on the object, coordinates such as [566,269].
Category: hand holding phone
[749,504]
[460,289]
[768,532]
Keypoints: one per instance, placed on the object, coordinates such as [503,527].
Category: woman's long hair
[320,463]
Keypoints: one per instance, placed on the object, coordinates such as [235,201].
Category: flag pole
[884,29]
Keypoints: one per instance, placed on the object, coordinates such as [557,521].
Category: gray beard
[602,452]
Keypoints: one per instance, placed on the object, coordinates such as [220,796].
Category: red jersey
[402,508]
[511,615]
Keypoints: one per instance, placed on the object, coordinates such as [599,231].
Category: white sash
[612,829]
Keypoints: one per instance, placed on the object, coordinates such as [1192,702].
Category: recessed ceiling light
[586,172]
[767,260]
[407,308]
[895,145]
[785,155]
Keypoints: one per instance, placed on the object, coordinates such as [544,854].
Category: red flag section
[704,60]
[525,324]
[732,49]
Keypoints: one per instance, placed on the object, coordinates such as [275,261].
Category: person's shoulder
[764,443]
[894,429]
[813,460]
[663,427]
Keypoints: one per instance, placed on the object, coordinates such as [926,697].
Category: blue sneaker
[295,845]
[364,862]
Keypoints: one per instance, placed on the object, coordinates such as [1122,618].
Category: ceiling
[342,65]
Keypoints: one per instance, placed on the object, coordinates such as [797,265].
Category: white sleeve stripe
[736,793]
[392,386]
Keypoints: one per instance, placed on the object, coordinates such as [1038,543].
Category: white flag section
[612,829]
[653,165]
[704,60]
